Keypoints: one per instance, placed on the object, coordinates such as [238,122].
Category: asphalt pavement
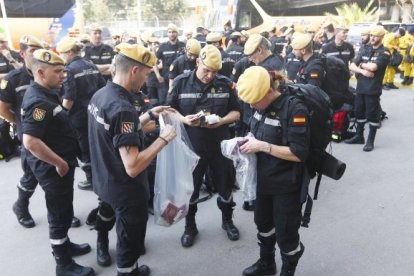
[361,225]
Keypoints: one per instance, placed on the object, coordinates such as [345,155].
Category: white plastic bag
[174,175]
[245,164]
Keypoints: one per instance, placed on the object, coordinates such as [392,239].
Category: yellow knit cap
[253,84]
[211,57]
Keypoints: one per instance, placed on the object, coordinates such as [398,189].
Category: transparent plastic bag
[245,164]
[174,175]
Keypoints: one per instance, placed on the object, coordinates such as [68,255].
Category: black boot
[79,249]
[86,184]
[266,265]
[21,209]
[65,266]
[391,85]
[102,254]
[369,146]
[249,205]
[191,231]
[359,135]
[409,81]
[404,82]
[227,219]
[289,263]
[75,222]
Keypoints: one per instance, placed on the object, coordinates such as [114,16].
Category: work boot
[23,216]
[85,185]
[75,222]
[91,218]
[227,218]
[249,205]
[289,262]
[409,81]
[392,86]
[261,267]
[190,232]
[404,82]
[102,254]
[385,86]
[359,135]
[78,249]
[65,266]
[144,270]
[369,146]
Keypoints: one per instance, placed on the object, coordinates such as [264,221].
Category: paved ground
[361,225]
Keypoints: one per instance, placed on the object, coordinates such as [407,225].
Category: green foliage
[347,14]
[164,9]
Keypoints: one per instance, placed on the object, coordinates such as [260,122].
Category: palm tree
[351,13]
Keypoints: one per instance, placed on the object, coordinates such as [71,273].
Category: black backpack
[319,162]
[336,82]
[7,143]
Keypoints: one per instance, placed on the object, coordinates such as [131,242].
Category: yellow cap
[295,34]
[138,53]
[310,29]
[48,57]
[66,44]
[235,34]
[3,37]
[327,24]
[95,27]
[188,32]
[193,46]
[253,84]
[211,57]
[288,31]
[121,45]
[153,40]
[147,35]
[30,40]
[342,27]
[226,21]
[366,31]
[84,37]
[172,27]
[300,41]
[213,37]
[46,45]
[245,33]
[377,31]
[252,43]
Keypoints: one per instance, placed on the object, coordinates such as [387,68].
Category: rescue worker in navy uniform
[82,81]
[185,63]
[99,53]
[9,60]
[258,49]
[311,70]
[369,67]
[51,142]
[200,36]
[119,158]
[167,53]
[204,90]
[215,39]
[12,90]
[235,50]
[339,47]
[280,169]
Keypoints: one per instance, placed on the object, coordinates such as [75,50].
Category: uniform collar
[120,90]
[74,59]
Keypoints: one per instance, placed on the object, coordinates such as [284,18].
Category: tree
[104,10]
[351,13]
[164,9]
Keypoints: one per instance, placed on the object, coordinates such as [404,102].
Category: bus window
[245,20]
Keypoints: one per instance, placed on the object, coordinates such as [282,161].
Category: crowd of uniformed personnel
[99,104]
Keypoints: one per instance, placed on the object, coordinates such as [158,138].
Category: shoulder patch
[3,84]
[127,127]
[39,114]
[314,75]
[299,120]
[171,67]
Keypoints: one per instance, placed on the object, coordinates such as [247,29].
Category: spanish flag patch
[314,75]
[299,120]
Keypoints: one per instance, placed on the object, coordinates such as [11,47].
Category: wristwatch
[151,115]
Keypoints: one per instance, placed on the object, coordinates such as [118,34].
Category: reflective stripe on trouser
[127,269]
[131,225]
[367,108]
[282,215]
